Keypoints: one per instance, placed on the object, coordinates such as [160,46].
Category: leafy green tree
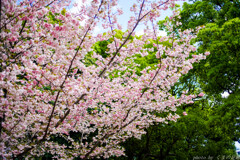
[219,72]
[201,12]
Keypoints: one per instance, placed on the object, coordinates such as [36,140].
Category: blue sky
[126,4]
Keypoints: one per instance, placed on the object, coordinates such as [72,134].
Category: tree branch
[61,87]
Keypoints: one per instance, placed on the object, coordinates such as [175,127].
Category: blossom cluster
[47,91]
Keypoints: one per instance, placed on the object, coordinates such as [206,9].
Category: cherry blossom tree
[47,90]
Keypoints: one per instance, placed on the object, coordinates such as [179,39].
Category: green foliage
[53,19]
[226,116]
[150,60]
[202,12]
[223,42]
[101,48]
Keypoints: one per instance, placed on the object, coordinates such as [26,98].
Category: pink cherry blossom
[48,88]
[207,53]
[201,94]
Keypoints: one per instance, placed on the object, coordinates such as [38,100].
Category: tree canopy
[66,93]
[212,124]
